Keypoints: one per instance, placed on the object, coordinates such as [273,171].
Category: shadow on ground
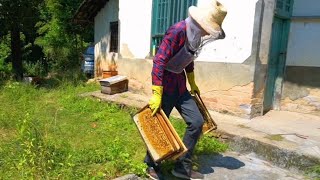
[207,163]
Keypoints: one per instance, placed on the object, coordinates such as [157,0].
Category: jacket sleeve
[165,52]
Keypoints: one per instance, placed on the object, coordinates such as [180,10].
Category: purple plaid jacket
[172,42]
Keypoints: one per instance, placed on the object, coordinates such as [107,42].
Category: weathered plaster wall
[226,87]
[301,89]
[225,70]
[135,31]
[102,35]
[301,92]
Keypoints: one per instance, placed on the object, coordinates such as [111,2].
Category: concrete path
[233,166]
[290,140]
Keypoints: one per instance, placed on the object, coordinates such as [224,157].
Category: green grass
[51,132]
[314,172]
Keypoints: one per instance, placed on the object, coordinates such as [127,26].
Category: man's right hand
[155,101]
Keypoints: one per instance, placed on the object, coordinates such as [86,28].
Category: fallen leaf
[94,125]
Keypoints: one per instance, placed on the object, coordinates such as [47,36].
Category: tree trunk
[16,53]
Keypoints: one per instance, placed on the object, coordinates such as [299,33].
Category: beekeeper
[172,65]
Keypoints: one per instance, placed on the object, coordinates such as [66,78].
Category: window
[164,14]
[114,37]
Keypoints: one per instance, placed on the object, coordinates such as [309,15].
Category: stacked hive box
[115,84]
[160,137]
[209,123]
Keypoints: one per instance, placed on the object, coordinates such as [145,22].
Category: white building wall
[238,26]
[135,31]
[135,28]
[107,14]
[304,37]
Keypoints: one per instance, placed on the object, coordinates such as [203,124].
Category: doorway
[277,55]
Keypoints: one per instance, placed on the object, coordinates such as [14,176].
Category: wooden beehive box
[113,85]
[159,135]
[209,123]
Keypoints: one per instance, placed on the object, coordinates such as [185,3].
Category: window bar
[157,17]
[183,11]
[178,10]
[169,13]
[165,15]
[170,10]
[162,24]
[174,11]
[154,21]
[189,2]
[162,16]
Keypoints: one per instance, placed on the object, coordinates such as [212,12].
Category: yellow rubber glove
[155,101]
[192,83]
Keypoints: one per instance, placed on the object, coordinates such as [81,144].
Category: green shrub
[5,51]
[34,69]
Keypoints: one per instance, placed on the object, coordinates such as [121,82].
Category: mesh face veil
[193,34]
[194,40]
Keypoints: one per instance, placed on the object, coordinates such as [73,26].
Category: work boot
[154,173]
[183,169]
[193,175]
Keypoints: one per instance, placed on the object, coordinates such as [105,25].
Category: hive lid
[112,80]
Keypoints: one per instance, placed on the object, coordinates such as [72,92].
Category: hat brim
[210,27]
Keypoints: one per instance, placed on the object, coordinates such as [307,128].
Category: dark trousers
[194,120]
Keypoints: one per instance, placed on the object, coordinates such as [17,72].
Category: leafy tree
[41,33]
[60,39]
[5,67]
[15,17]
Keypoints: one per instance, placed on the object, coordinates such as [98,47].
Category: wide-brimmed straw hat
[209,17]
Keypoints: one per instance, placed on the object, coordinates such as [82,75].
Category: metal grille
[164,14]
[114,37]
